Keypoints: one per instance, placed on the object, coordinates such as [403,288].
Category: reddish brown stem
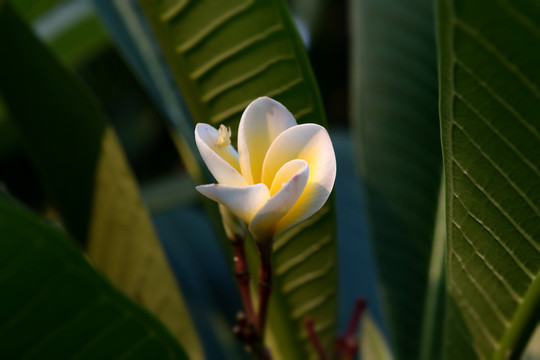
[359,307]
[347,345]
[265,288]
[241,271]
[314,339]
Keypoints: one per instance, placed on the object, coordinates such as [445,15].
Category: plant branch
[347,344]
[314,338]
[241,272]
[265,288]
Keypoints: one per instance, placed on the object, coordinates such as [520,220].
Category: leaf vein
[464,304]
[507,63]
[498,206]
[481,256]
[303,256]
[246,76]
[522,266]
[236,109]
[307,278]
[313,304]
[500,170]
[508,143]
[491,91]
[494,308]
[214,26]
[235,50]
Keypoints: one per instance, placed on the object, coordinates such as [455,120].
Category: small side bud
[224,139]
[234,227]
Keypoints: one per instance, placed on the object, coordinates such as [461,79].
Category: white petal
[309,142]
[221,161]
[262,121]
[242,201]
[289,184]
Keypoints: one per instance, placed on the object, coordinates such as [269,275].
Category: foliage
[55,304]
[444,104]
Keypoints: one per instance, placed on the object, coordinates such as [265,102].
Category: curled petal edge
[222,162]
[262,121]
[242,201]
[311,143]
[263,224]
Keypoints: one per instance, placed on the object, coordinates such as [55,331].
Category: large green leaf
[372,343]
[55,305]
[86,174]
[60,110]
[396,130]
[490,106]
[304,285]
[224,55]
[129,26]
[124,245]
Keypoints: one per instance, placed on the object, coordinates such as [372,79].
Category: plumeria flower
[282,173]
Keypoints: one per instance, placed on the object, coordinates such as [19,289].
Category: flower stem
[265,288]
[250,328]
[314,338]
[241,271]
[347,344]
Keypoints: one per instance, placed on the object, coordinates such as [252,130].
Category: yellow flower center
[224,139]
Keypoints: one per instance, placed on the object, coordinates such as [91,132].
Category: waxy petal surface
[242,201]
[222,162]
[289,184]
[262,121]
[311,143]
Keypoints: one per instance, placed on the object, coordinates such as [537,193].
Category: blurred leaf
[373,346]
[124,244]
[311,13]
[357,270]
[9,136]
[305,273]
[86,174]
[532,351]
[31,9]
[129,27]
[55,305]
[396,130]
[212,295]
[70,28]
[81,41]
[490,101]
[433,319]
[63,126]
[224,55]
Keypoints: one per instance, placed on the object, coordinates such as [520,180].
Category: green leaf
[223,56]
[78,42]
[55,305]
[396,130]
[433,324]
[490,101]
[86,174]
[373,346]
[128,24]
[124,245]
[60,127]
[305,273]
[532,351]
[31,10]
